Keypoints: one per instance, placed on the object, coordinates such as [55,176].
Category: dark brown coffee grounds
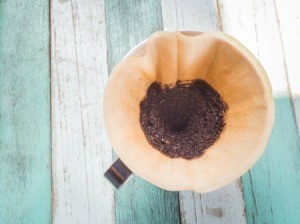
[182,120]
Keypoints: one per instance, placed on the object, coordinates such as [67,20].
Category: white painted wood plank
[190,15]
[222,206]
[80,150]
[253,23]
[239,23]
[225,205]
[288,17]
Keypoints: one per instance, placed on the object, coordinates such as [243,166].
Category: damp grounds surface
[184,119]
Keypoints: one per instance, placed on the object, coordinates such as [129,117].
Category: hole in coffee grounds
[184,119]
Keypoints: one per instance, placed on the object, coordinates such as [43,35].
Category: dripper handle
[118,173]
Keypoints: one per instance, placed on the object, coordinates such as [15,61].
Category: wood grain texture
[225,205]
[81,153]
[25,179]
[271,187]
[288,17]
[190,15]
[128,23]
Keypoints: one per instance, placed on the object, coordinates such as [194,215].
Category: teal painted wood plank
[25,180]
[272,186]
[127,24]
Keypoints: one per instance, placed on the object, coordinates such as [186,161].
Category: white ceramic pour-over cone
[171,56]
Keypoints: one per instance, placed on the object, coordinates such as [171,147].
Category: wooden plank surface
[128,23]
[25,179]
[225,205]
[288,16]
[81,153]
[271,188]
[201,15]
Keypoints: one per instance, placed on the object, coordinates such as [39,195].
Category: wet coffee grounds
[184,119]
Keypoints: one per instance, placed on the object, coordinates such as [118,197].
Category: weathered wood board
[128,23]
[80,151]
[25,178]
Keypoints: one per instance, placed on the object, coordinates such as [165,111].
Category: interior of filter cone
[225,65]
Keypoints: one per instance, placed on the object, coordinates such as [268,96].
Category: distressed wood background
[55,58]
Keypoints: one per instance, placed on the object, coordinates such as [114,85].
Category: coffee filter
[224,64]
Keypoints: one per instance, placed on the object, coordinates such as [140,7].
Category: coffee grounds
[184,119]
